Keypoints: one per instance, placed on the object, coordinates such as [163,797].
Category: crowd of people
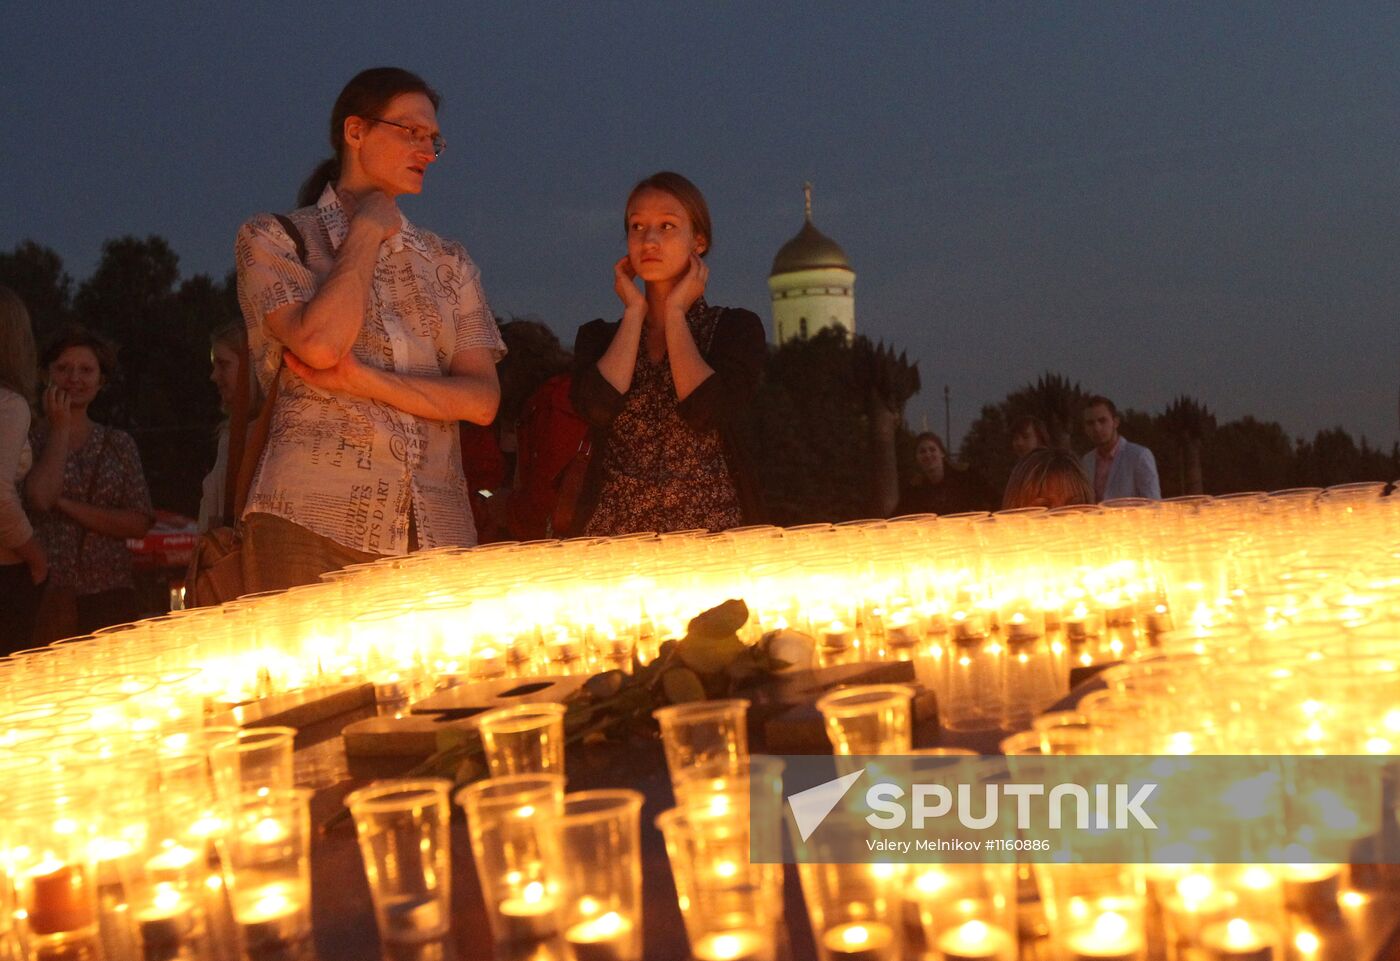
[377,408]
[1043,475]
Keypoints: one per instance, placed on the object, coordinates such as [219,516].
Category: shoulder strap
[297,239]
[245,447]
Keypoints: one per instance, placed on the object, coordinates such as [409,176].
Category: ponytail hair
[366,95]
[325,172]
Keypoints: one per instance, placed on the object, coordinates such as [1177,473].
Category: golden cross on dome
[807,198]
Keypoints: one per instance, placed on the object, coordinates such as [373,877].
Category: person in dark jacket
[661,388]
[939,487]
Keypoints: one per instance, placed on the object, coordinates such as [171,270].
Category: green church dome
[809,250]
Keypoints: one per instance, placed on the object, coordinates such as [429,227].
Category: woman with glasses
[662,389]
[372,337]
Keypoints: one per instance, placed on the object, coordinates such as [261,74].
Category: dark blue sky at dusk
[1150,199]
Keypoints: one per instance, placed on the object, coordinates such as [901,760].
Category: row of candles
[1271,620]
[999,607]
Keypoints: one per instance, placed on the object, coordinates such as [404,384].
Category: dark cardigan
[736,353]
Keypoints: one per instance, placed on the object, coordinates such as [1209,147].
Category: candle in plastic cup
[731,906]
[515,828]
[402,828]
[524,739]
[868,719]
[601,873]
[267,869]
[704,739]
[252,761]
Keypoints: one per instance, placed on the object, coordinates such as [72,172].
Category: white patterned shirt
[344,467]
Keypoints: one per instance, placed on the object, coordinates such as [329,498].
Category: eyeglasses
[416,135]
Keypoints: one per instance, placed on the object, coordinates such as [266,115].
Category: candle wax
[1110,939]
[527,919]
[860,941]
[738,945]
[271,918]
[59,899]
[976,941]
[608,937]
[1238,940]
[165,925]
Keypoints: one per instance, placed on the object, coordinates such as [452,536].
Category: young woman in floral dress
[663,387]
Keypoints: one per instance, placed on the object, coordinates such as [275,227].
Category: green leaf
[606,684]
[682,686]
[710,655]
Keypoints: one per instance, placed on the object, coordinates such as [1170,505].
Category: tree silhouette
[1247,455]
[809,432]
[1054,399]
[1186,422]
[163,396]
[886,383]
[36,273]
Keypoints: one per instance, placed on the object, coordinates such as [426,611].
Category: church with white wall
[812,284]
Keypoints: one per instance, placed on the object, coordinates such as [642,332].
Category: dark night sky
[1151,199]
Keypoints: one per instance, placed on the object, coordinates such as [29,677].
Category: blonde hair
[19,369]
[1047,477]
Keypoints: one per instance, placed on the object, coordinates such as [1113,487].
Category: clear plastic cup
[868,719]
[602,875]
[704,739]
[515,829]
[255,760]
[402,828]
[267,870]
[524,739]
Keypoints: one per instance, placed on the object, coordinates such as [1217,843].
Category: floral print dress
[105,472]
[659,473]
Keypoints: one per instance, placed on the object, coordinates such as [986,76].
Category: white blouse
[344,467]
[16,458]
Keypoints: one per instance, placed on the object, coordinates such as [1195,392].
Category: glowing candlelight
[167,920]
[837,636]
[737,945]
[1111,938]
[172,860]
[1239,940]
[860,941]
[269,915]
[607,937]
[529,916]
[976,941]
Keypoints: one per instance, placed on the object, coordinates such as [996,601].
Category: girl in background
[87,490]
